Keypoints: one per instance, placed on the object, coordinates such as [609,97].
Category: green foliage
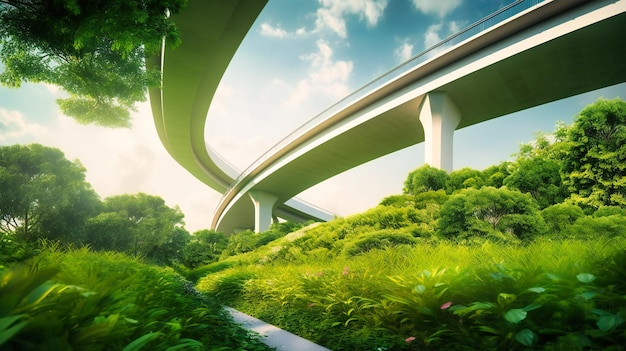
[495,175]
[195,274]
[86,301]
[541,178]
[95,50]
[139,224]
[378,240]
[560,217]
[549,294]
[241,242]
[462,179]
[589,226]
[595,164]
[425,178]
[42,194]
[488,211]
[226,285]
[205,247]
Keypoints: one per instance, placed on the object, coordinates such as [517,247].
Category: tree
[241,242]
[489,210]
[425,178]
[462,179]
[537,170]
[205,246]
[139,224]
[595,164]
[561,216]
[43,195]
[541,178]
[494,176]
[93,49]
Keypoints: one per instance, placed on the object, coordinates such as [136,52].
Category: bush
[592,227]
[195,274]
[561,216]
[378,240]
[227,286]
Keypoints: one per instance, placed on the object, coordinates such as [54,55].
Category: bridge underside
[583,60]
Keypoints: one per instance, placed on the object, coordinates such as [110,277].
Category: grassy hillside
[385,280]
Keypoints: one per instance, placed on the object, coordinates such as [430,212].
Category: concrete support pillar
[440,117]
[263,206]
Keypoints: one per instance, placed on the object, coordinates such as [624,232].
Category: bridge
[528,54]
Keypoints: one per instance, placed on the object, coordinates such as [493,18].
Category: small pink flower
[446,305]
[409,339]
[346,270]
[320,273]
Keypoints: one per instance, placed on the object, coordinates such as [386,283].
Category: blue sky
[299,58]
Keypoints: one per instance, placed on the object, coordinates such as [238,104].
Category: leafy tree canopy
[489,211]
[139,224]
[42,194]
[463,178]
[425,178]
[595,163]
[93,49]
[540,177]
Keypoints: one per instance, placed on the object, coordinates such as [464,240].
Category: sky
[299,58]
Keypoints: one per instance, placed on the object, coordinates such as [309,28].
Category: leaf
[609,322]
[515,315]
[585,277]
[185,344]
[420,289]
[504,298]
[140,342]
[488,330]
[525,337]
[537,289]
[8,328]
[532,307]
[600,312]
[475,306]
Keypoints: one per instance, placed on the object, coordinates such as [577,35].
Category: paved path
[272,335]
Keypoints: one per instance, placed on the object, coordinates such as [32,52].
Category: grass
[81,300]
[547,294]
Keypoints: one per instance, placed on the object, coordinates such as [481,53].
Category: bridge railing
[501,15]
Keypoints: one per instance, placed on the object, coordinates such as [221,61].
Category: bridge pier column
[439,117]
[263,206]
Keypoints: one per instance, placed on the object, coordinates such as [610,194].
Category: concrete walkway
[272,335]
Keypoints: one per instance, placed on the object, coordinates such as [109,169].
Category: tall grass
[548,294]
[80,300]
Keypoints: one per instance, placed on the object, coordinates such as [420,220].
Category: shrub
[561,216]
[592,227]
[381,239]
[227,285]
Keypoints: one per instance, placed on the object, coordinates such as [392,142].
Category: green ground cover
[547,294]
[81,300]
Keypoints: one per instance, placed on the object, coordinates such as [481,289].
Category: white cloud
[332,14]
[432,35]
[13,126]
[269,31]
[440,8]
[404,51]
[331,17]
[454,26]
[326,77]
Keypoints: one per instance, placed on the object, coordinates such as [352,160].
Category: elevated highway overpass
[541,53]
